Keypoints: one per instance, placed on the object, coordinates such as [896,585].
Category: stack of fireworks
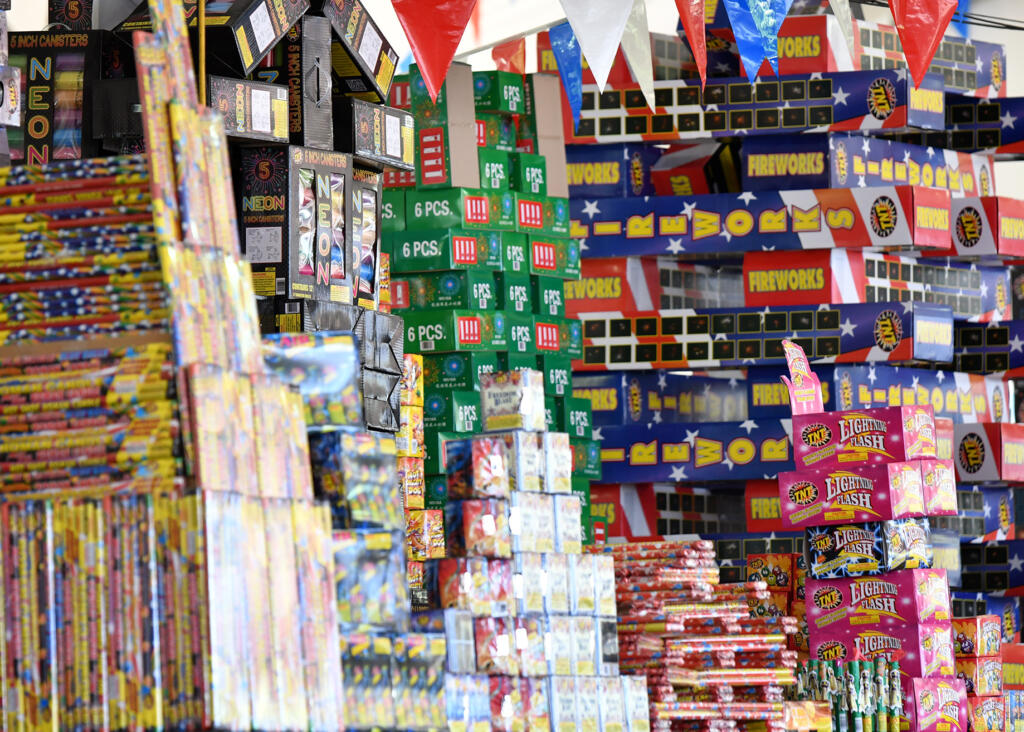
[78,255]
[977,643]
[866,480]
[863,695]
[703,655]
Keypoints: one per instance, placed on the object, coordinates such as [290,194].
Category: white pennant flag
[598,25]
[636,47]
[841,9]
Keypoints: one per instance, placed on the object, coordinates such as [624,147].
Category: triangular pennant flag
[960,18]
[769,15]
[691,13]
[598,25]
[636,47]
[844,16]
[570,66]
[434,29]
[510,56]
[749,40]
[921,25]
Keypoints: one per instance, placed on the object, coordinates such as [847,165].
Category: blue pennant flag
[569,59]
[749,40]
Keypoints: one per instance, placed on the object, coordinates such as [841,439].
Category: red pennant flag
[511,56]
[434,29]
[691,12]
[921,25]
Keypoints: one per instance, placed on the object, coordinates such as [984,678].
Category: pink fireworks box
[938,479]
[861,437]
[924,651]
[909,596]
[936,705]
[841,495]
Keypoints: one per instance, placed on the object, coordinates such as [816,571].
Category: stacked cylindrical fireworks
[862,695]
[708,663]
[866,482]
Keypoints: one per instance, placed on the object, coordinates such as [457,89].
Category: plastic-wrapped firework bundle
[863,695]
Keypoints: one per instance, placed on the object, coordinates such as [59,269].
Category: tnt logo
[464,249]
[547,336]
[400,294]
[971,453]
[816,435]
[883,216]
[985,182]
[432,155]
[842,162]
[997,71]
[477,210]
[968,227]
[803,493]
[531,214]
[831,651]
[469,330]
[544,256]
[881,98]
[888,331]
[827,598]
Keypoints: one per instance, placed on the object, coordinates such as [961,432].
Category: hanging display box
[894,217]
[255,27]
[363,60]
[986,453]
[973,291]
[375,134]
[302,62]
[59,74]
[681,339]
[251,109]
[883,99]
[296,222]
[846,160]
[446,149]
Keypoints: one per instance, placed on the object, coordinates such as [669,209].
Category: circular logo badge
[815,435]
[635,400]
[827,598]
[822,542]
[842,162]
[803,493]
[997,71]
[997,404]
[888,330]
[971,453]
[1004,514]
[845,391]
[1001,296]
[968,227]
[636,174]
[927,701]
[881,98]
[986,181]
[831,651]
[884,216]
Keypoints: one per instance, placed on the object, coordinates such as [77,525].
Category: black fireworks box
[375,134]
[362,58]
[251,109]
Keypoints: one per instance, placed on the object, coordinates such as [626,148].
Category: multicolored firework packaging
[980,636]
[846,550]
[863,437]
[842,495]
[923,651]
[937,705]
[982,676]
[897,598]
[939,486]
[987,714]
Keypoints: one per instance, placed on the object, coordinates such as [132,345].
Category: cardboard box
[496,131]
[863,437]
[458,371]
[987,714]
[433,250]
[572,415]
[938,478]
[444,331]
[541,215]
[557,370]
[927,650]
[513,400]
[498,91]
[840,495]
[302,63]
[462,289]
[586,459]
[251,110]
[375,135]
[936,705]
[982,676]
[548,296]
[551,256]
[845,550]
[977,636]
[989,452]
[528,174]
[363,60]
[611,171]
[296,221]
[541,128]
[392,210]
[911,596]
[461,207]
[495,169]
[446,150]
[452,411]
[514,291]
